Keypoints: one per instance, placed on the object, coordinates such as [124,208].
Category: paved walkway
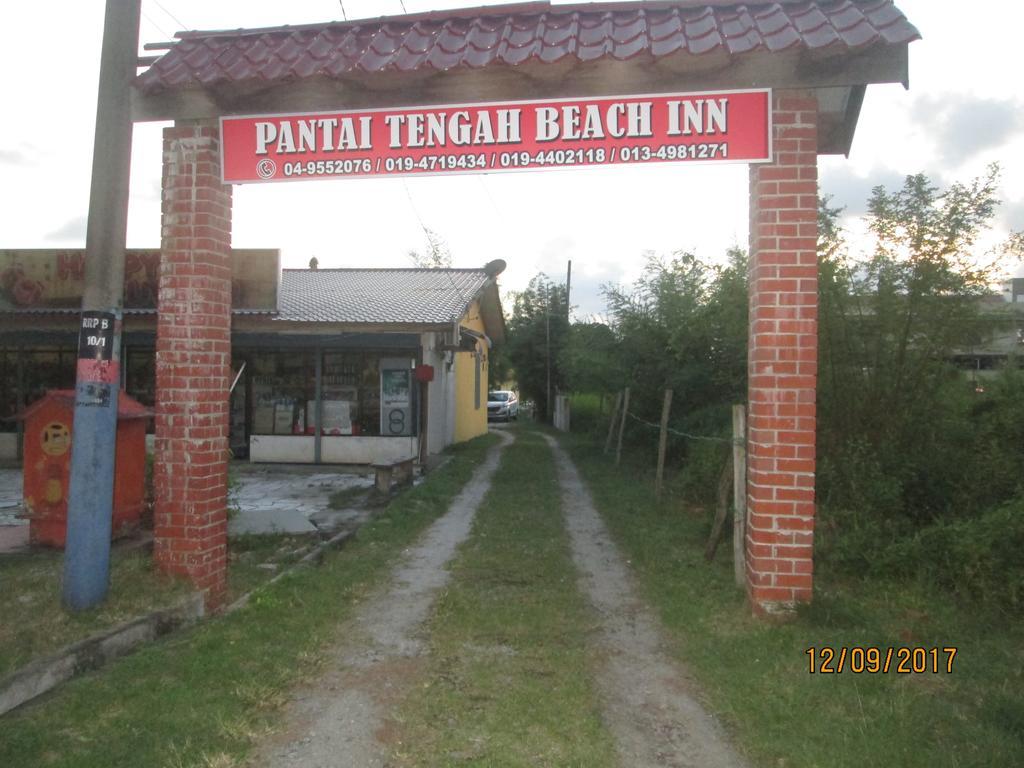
[293,499]
[648,706]
[10,497]
[267,497]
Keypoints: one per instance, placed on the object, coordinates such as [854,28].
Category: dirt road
[646,700]
[648,707]
[334,723]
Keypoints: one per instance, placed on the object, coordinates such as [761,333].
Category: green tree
[894,413]
[537,335]
[683,325]
[436,255]
[591,359]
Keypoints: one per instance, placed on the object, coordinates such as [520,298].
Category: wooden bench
[400,470]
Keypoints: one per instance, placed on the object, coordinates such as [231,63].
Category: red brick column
[193,359]
[783,360]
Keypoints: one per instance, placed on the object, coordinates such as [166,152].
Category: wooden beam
[662,444]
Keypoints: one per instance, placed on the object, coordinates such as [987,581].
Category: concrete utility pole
[98,376]
[568,291]
[547,351]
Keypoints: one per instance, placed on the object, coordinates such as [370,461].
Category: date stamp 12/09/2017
[878,660]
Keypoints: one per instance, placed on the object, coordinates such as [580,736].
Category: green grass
[32,621]
[201,696]
[755,672]
[508,681]
[247,553]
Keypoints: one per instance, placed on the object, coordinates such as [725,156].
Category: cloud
[14,157]
[73,229]
[587,297]
[851,191]
[1011,215]
[963,125]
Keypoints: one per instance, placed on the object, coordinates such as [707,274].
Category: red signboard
[726,126]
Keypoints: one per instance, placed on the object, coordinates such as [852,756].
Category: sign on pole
[718,127]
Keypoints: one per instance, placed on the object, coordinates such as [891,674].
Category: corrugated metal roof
[514,34]
[372,296]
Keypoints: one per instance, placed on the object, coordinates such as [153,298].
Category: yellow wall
[469,420]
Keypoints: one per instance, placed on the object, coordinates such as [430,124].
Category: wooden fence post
[611,423]
[739,491]
[662,441]
[622,427]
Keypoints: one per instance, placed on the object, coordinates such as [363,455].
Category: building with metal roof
[389,363]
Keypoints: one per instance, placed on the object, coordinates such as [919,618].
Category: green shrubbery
[920,463]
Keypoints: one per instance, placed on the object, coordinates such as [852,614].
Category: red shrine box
[47,466]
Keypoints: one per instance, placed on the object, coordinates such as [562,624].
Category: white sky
[965,108]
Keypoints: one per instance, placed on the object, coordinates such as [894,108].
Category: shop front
[348,366]
[360,390]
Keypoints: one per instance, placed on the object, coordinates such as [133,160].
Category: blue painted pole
[93,445]
[98,376]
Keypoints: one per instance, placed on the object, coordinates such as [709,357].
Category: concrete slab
[261,521]
[13,538]
[333,520]
[10,497]
[292,499]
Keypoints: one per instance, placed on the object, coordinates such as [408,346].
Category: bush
[979,558]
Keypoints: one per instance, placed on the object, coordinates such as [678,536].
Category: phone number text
[483,161]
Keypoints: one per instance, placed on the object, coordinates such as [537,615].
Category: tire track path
[652,715]
[336,722]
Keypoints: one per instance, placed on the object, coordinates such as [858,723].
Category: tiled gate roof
[514,34]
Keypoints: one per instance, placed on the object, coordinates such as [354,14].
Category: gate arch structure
[813,58]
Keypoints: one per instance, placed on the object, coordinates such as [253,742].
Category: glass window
[351,393]
[46,370]
[282,384]
[8,390]
[140,374]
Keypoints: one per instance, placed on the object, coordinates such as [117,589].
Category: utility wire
[343,14]
[729,440]
[175,19]
[159,29]
[426,234]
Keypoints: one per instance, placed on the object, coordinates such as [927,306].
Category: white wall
[440,416]
[300,449]
[8,446]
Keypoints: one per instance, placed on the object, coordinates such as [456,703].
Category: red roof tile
[514,34]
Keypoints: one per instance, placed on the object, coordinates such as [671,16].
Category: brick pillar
[193,359]
[783,360]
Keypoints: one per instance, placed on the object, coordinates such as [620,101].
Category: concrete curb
[313,557]
[45,674]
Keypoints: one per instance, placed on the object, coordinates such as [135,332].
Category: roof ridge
[507,9]
[384,269]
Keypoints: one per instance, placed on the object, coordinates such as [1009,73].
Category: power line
[426,234]
[159,29]
[343,14]
[175,19]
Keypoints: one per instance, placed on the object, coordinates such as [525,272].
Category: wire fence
[687,435]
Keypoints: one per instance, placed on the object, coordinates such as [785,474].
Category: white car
[502,405]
